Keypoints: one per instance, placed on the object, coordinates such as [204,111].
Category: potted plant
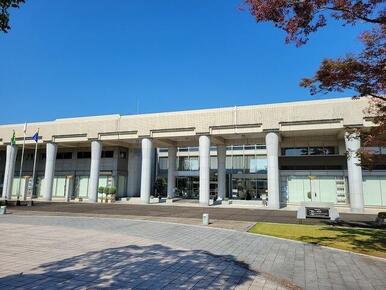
[106,192]
[101,190]
[160,187]
[112,192]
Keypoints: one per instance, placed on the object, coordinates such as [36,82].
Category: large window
[186,163]
[302,151]
[64,155]
[163,163]
[83,155]
[107,154]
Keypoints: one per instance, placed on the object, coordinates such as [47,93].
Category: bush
[382,215]
[112,190]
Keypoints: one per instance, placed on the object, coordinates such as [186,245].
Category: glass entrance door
[248,189]
[187,187]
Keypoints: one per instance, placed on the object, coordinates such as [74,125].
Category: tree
[365,72]
[5,5]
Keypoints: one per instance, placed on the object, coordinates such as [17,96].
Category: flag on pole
[35,137]
[13,138]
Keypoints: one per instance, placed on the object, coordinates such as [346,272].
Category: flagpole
[21,165]
[34,168]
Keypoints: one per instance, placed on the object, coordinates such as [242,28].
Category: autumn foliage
[364,72]
[5,5]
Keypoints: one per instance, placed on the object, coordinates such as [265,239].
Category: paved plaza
[63,252]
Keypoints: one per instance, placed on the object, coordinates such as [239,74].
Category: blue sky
[79,58]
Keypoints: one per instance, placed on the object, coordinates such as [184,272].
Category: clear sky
[73,58]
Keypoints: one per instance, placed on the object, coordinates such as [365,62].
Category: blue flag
[36,137]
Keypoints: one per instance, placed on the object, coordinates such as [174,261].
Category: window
[301,151]
[163,149]
[83,155]
[238,147]
[316,151]
[29,156]
[238,162]
[213,162]
[163,163]
[107,154]
[183,149]
[64,155]
[258,165]
[249,147]
[298,151]
[373,150]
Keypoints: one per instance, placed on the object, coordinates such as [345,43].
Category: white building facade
[279,154]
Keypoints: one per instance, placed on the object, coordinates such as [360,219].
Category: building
[285,153]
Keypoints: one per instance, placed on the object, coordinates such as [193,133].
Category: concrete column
[172,154]
[354,169]
[96,152]
[204,148]
[49,173]
[9,171]
[221,171]
[272,144]
[147,151]
[134,172]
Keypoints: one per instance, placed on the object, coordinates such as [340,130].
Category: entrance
[248,189]
[313,188]
[188,187]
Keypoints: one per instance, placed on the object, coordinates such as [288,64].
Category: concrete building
[279,154]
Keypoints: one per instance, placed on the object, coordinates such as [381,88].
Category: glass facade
[313,187]
[303,151]
[374,190]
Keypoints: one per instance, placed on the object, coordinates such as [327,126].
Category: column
[272,144]
[172,153]
[221,171]
[49,173]
[147,151]
[134,172]
[96,151]
[354,170]
[204,148]
[9,171]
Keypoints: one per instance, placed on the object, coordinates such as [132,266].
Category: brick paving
[56,252]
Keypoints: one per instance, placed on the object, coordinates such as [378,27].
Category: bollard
[205,219]
[3,209]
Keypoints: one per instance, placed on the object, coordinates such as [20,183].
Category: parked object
[205,219]
[3,209]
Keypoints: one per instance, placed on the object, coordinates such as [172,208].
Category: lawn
[360,240]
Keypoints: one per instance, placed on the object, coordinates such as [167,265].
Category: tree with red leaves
[365,72]
[5,5]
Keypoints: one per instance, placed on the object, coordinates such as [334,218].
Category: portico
[284,146]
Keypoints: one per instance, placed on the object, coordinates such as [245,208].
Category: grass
[365,241]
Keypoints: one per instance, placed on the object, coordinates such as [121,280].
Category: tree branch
[379,20]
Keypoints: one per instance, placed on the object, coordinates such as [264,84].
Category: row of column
[140,164]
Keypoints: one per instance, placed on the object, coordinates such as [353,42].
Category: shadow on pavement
[138,267]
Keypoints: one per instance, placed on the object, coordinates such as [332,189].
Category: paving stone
[86,252]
